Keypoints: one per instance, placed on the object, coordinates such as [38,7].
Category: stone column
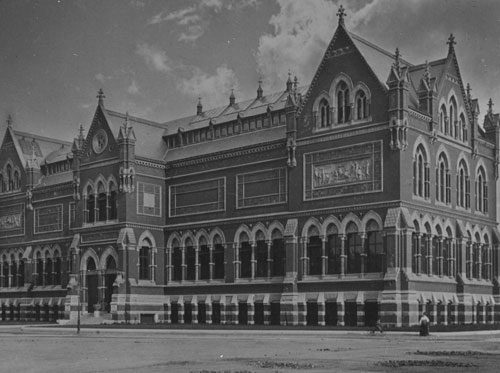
[343,256]
[237,262]
[197,262]
[253,261]
[169,265]
[418,259]
[440,256]
[364,253]
[183,265]
[324,257]
[269,259]
[303,258]
[211,263]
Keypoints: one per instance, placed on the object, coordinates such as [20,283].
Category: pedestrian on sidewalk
[378,327]
[424,325]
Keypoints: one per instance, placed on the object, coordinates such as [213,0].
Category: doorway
[92,284]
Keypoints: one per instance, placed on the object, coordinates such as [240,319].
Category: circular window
[100,141]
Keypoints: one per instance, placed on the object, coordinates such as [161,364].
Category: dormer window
[343,103]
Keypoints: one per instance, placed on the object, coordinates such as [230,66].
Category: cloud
[133,88]
[101,77]
[154,57]
[214,89]
[193,21]
[302,32]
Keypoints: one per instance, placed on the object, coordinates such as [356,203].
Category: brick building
[370,193]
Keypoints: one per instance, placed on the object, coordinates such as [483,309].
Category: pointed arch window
[17,180]
[443,180]
[443,120]
[463,186]
[324,113]
[2,183]
[204,256]
[176,261]
[278,254]
[101,202]
[145,260]
[190,259]
[463,125]
[334,251]
[218,258]
[89,203]
[421,174]
[112,208]
[374,248]
[361,105]
[261,255]
[353,249]
[10,181]
[343,103]
[245,256]
[481,191]
[453,118]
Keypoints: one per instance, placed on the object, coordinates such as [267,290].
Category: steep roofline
[135,119]
[42,138]
[376,47]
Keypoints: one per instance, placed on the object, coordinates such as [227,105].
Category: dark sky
[155,58]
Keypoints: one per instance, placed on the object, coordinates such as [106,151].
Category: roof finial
[490,106]
[259,90]
[451,42]
[199,107]
[100,96]
[427,72]
[468,91]
[9,121]
[295,83]
[80,130]
[126,123]
[341,14]
[289,82]
[397,61]
[232,99]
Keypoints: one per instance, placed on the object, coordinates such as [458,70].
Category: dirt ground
[242,351]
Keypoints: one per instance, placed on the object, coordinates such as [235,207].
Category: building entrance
[92,283]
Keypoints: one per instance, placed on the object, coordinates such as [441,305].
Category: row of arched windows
[341,106]
[10,178]
[439,254]
[100,201]
[450,122]
[47,268]
[421,181]
[12,271]
[352,252]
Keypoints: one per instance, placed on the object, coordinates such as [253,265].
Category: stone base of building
[322,309]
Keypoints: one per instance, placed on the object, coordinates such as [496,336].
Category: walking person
[424,325]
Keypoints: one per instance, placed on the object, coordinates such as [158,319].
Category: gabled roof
[149,142]
[379,60]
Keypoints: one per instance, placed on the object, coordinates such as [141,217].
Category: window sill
[99,223]
[196,283]
[421,199]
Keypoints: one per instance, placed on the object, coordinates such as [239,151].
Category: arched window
[13,271]
[89,212]
[486,259]
[261,255]
[5,272]
[190,257]
[421,186]
[48,269]
[443,120]
[481,191]
[278,255]
[10,180]
[447,253]
[343,103]
[176,261]
[476,257]
[468,256]
[334,250]
[353,249]
[463,185]
[112,215]
[425,249]
[101,202]
[361,105]
[314,251]
[453,118]
[218,257]
[145,260]
[436,250]
[463,125]
[204,259]
[39,270]
[374,248]
[57,268]
[17,180]
[443,180]
[245,256]
[20,272]
[324,113]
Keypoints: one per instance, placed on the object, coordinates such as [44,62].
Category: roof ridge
[40,137]
[431,63]
[374,46]
[135,119]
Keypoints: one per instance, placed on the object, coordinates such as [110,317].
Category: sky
[155,58]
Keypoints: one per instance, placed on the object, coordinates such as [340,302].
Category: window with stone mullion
[314,253]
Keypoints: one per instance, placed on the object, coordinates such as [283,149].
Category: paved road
[29,349]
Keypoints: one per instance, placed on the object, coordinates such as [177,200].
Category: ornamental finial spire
[9,121]
[341,14]
[100,96]
[468,91]
[427,72]
[490,106]
[127,120]
[397,61]
[451,42]
[80,130]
